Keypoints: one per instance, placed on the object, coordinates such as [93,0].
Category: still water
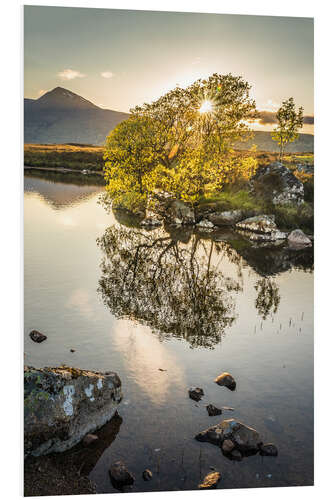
[193,305]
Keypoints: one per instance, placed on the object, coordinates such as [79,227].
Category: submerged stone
[147,475]
[120,474]
[195,393]
[213,411]
[244,438]
[268,450]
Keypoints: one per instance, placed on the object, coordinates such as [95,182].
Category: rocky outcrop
[278,184]
[63,404]
[205,224]
[244,438]
[178,212]
[261,228]
[227,218]
[210,481]
[298,240]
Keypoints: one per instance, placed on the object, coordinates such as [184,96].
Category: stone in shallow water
[227,380]
[37,336]
[210,481]
[244,438]
[227,218]
[120,474]
[259,224]
[213,410]
[195,393]
[63,404]
[147,475]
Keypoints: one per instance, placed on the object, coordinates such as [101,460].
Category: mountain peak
[61,98]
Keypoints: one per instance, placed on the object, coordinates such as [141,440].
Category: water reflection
[268,299]
[177,289]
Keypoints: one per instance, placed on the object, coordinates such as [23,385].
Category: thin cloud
[107,74]
[70,74]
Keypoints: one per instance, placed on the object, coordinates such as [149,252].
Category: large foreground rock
[244,438]
[62,405]
[278,184]
[259,224]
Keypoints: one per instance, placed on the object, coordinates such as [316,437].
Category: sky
[120,58]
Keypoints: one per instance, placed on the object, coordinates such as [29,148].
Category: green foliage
[289,121]
[231,200]
[289,217]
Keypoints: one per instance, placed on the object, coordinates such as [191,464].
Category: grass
[72,156]
[230,200]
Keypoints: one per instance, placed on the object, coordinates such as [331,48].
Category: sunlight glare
[206,107]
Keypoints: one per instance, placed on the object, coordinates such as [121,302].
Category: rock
[89,439]
[37,336]
[120,474]
[213,411]
[147,475]
[205,224]
[210,481]
[195,393]
[227,380]
[306,169]
[228,446]
[178,212]
[259,224]
[63,404]
[72,350]
[278,184]
[227,218]
[268,450]
[244,438]
[297,239]
[275,235]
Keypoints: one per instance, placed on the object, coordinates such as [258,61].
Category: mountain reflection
[177,289]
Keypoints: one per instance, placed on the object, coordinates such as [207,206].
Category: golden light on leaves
[206,107]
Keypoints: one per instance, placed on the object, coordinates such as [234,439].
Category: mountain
[61,116]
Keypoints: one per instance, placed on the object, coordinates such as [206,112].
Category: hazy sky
[120,58]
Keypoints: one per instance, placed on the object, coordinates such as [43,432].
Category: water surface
[190,304]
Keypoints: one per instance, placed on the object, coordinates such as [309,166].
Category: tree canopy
[181,142]
[289,122]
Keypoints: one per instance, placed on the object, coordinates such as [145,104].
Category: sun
[206,107]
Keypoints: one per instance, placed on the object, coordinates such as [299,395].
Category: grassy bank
[71,156]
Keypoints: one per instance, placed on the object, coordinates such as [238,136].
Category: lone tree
[289,122]
[181,142]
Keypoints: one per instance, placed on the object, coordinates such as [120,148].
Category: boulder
[227,218]
[297,239]
[259,224]
[37,336]
[210,481]
[213,411]
[227,380]
[63,404]
[275,235]
[195,393]
[277,183]
[245,439]
[268,450]
[120,474]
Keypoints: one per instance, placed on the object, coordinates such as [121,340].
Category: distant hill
[264,142]
[60,116]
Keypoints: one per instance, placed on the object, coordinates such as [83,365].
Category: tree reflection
[268,298]
[177,289]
